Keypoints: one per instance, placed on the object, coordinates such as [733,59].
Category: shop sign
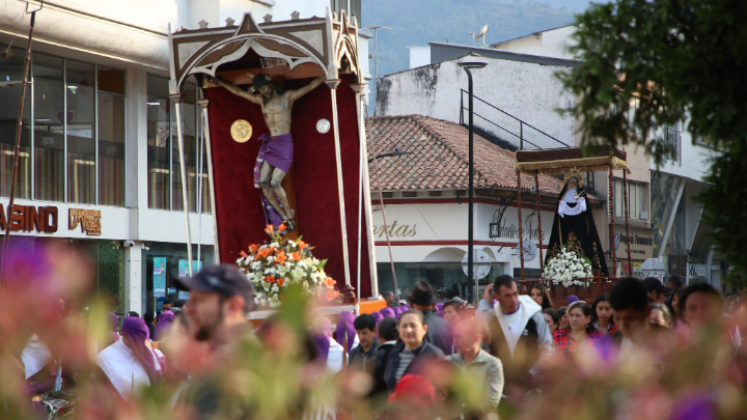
[89,221]
[641,244]
[159,281]
[395,230]
[43,219]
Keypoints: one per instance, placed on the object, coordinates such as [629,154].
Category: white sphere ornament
[323,126]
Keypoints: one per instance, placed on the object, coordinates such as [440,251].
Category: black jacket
[382,354]
[363,360]
[425,353]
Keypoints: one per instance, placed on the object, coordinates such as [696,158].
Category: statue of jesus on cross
[276,155]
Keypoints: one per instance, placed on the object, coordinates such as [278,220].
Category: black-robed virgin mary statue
[573,225]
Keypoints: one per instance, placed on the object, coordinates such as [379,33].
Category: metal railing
[498,125]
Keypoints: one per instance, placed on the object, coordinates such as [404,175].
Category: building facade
[425,204]
[99,164]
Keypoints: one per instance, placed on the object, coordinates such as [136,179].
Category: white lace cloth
[123,369]
[565,210]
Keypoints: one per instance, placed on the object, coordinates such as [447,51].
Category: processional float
[299,158]
[572,161]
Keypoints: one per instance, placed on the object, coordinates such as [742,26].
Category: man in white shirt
[519,333]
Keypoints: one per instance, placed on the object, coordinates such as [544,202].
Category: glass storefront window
[49,128]
[11,70]
[442,276]
[159,143]
[111,136]
[81,145]
[164,164]
[189,132]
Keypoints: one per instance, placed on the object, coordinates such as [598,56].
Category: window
[49,127]
[111,131]
[673,139]
[637,203]
[351,7]
[10,98]
[81,145]
[164,164]
[59,142]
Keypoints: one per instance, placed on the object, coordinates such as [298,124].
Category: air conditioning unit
[644,215]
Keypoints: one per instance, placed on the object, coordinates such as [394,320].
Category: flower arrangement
[274,266]
[566,266]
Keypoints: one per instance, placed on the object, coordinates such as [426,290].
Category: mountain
[418,22]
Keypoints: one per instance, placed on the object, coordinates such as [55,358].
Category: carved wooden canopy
[330,43]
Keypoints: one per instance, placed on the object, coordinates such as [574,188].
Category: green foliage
[685,60]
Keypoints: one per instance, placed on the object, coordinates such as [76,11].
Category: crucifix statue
[276,155]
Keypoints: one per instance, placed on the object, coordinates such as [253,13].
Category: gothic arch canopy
[330,43]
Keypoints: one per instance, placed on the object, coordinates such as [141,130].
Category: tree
[684,61]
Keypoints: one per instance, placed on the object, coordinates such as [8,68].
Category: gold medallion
[241,131]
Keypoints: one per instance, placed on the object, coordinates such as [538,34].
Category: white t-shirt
[514,328]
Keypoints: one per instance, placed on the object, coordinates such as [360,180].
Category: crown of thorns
[259,81]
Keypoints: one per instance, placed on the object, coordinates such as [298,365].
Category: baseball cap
[654,284]
[415,390]
[224,279]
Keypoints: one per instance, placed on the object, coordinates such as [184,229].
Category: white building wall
[420,56]
[528,91]
[553,43]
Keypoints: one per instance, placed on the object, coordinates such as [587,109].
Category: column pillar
[133,278]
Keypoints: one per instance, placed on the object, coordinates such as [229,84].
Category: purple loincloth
[278,152]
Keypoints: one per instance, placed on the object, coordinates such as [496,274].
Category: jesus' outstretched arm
[237,90]
[295,94]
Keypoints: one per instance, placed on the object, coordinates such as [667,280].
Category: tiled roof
[439,158]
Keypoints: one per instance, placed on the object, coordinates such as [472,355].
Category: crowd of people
[432,357]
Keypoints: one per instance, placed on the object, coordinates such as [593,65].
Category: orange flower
[243,254]
[253,248]
[296,256]
[270,279]
[281,227]
[256,257]
[330,282]
[264,252]
[270,229]
[281,258]
[332,295]
[281,280]
[302,245]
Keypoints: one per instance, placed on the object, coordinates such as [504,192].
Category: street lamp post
[469,62]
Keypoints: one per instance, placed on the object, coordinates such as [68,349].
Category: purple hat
[323,338]
[345,323]
[571,299]
[164,323]
[136,332]
[440,309]
[388,313]
[377,316]
[398,311]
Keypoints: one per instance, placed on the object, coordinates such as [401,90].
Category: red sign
[29,218]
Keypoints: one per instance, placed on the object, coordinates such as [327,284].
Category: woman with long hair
[580,329]
[539,293]
[601,315]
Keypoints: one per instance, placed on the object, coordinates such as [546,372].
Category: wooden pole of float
[539,221]
[627,220]
[612,226]
[521,229]
[348,293]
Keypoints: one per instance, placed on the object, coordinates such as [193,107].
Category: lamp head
[472,61]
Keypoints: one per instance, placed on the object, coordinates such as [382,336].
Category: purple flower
[693,406]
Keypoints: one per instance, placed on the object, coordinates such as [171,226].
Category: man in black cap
[656,289]
[219,302]
[439,333]
[220,299]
